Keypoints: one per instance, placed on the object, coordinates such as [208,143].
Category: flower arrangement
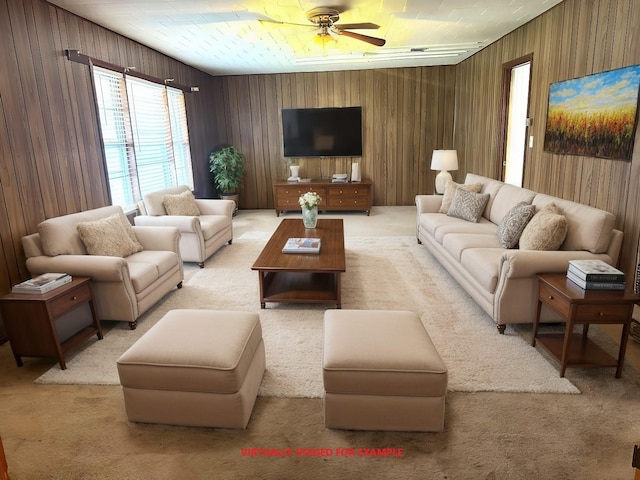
[309,200]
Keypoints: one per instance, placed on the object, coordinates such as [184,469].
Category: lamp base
[441,180]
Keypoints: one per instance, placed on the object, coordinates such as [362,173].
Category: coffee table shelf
[303,287]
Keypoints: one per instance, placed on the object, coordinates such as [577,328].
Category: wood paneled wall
[51,160]
[407,113]
[575,38]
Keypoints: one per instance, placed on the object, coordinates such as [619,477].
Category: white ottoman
[381,371]
[196,368]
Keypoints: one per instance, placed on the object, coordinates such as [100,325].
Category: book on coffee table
[302,245]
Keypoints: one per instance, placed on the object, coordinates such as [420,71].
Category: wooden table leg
[623,345]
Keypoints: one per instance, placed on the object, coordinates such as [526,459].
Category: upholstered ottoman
[381,372]
[196,368]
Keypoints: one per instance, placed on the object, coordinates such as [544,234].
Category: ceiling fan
[326,18]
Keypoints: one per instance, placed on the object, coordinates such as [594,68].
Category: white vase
[295,171]
[310,217]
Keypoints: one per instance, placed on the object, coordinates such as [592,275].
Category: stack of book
[302,245]
[595,275]
[42,283]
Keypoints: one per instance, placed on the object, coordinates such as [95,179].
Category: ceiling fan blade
[358,26]
[278,22]
[378,42]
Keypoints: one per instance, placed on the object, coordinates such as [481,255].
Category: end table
[51,324]
[585,307]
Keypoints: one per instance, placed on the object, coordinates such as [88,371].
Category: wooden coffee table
[302,278]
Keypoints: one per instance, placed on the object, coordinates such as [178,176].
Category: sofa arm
[98,267]
[216,207]
[158,238]
[428,203]
[527,263]
[186,224]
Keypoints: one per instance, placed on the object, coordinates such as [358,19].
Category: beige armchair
[125,286]
[203,230]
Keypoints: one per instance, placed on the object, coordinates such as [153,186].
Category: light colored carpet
[386,273]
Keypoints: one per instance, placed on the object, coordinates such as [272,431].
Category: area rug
[383,273]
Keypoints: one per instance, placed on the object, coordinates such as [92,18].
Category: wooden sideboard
[335,196]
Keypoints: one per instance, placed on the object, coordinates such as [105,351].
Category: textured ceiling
[226,37]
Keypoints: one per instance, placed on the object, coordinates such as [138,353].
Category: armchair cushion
[181,204]
[108,236]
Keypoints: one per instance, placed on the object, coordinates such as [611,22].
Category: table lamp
[443,160]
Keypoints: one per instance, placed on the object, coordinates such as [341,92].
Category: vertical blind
[144,131]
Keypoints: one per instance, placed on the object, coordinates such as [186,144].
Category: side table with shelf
[582,307]
[52,324]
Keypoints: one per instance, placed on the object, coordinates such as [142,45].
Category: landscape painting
[595,115]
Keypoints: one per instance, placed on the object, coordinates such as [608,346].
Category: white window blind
[144,130]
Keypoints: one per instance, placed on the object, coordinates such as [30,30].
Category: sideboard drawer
[349,191]
[344,201]
[298,189]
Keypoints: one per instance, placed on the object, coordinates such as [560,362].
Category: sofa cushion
[147,266]
[468,205]
[440,225]
[450,190]
[457,243]
[107,236]
[589,228]
[546,230]
[513,223]
[181,204]
[508,197]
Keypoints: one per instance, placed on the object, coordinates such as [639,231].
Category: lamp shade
[444,160]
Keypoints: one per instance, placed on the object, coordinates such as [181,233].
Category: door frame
[504,108]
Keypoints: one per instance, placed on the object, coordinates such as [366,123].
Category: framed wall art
[595,115]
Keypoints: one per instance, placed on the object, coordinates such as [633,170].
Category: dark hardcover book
[595,271]
[588,285]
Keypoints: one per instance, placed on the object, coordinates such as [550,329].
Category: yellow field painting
[594,115]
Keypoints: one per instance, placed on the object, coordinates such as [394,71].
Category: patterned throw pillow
[450,190]
[181,204]
[108,236]
[513,223]
[546,230]
[468,205]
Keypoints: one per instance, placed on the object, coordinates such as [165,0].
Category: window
[144,131]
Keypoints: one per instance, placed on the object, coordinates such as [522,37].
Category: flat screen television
[322,132]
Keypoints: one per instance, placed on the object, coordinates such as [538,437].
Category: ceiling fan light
[324,39]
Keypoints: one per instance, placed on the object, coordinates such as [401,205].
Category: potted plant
[227,166]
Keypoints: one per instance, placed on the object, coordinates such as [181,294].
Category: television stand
[357,196]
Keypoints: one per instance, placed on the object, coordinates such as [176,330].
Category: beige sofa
[201,235]
[123,288]
[503,280]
